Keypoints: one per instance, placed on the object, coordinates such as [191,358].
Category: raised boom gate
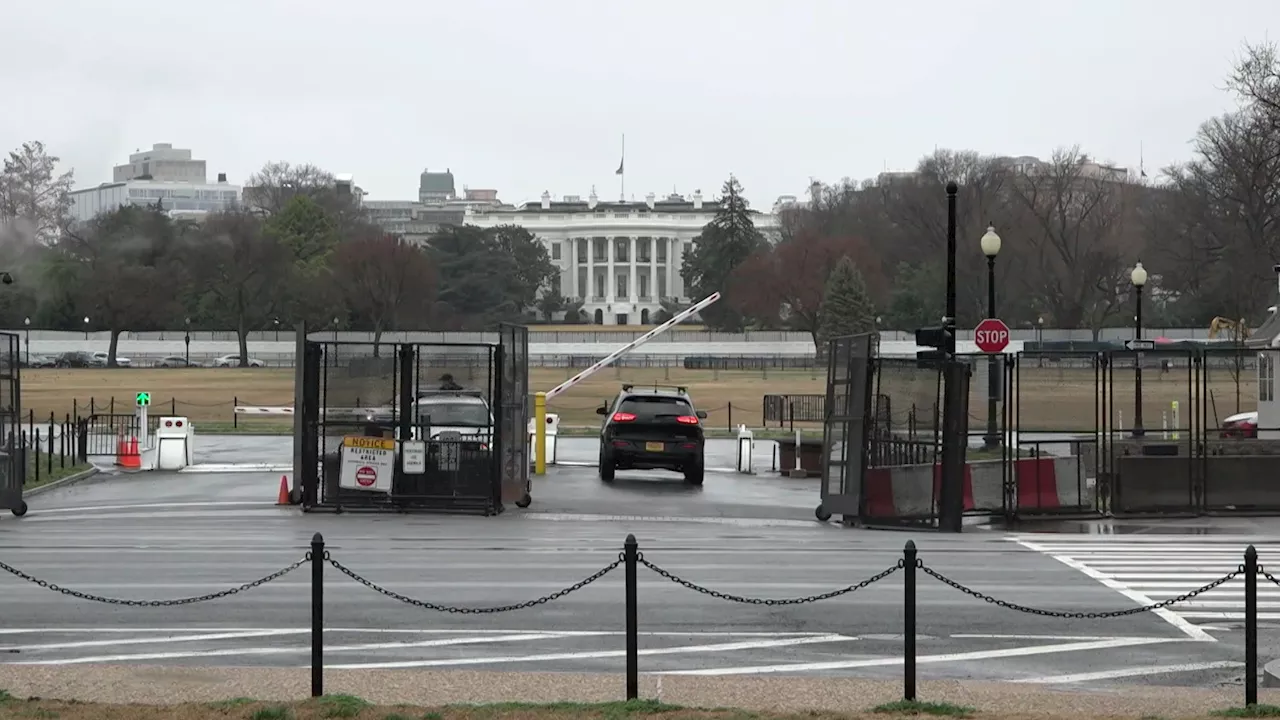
[12,465]
[414,426]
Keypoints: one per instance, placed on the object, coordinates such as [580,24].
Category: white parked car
[234,361]
[120,360]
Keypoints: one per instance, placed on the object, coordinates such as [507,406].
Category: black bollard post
[909,622]
[631,555]
[317,615]
[1251,626]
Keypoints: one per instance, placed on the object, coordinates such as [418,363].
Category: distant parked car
[1241,425]
[175,361]
[78,359]
[234,361]
[120,361]
[37,361]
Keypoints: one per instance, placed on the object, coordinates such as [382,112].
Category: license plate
[654,446]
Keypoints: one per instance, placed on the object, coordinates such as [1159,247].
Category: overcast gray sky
[526,96]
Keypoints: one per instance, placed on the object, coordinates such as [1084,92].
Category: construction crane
[1237,330]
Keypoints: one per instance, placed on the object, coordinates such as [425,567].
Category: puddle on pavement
[1115,527]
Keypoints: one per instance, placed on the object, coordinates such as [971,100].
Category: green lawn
[42,475]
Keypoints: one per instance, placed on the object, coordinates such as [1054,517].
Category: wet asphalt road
[170,535]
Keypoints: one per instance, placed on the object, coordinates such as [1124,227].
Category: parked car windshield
[456,414]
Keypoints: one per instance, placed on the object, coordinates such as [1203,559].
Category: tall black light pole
[27,322]
[991,248]
[1139,278]
[186,340]
[1040,341]
[276,322]
[86,327]
[949,322]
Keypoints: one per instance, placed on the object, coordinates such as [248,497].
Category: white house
[618,258]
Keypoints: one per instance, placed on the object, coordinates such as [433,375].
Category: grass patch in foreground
[917,707]
[1250,711]
[43,475]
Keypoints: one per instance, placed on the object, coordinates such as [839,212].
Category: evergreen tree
[846,306]
[725,243]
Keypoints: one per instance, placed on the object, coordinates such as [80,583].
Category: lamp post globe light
[86,327]
[27,322]
[1139,278]
[991,248]
[186,340]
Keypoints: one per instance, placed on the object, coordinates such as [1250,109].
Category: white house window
[1266,378]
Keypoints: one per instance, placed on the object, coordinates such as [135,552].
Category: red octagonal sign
[991,335]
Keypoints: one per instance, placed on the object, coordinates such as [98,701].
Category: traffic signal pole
[954,429]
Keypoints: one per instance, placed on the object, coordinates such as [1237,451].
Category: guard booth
[13,467]
[413,426]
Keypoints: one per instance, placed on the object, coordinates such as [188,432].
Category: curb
[64,482]
[1271,674]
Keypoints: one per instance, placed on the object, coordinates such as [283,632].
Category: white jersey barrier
[175,443]
[746,450]
[549,439]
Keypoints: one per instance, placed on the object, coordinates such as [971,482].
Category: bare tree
[1075,225]
[33,195]
[385,282]
[1256,81]
[242,271]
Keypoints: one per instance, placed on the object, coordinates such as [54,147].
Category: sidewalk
[171,685]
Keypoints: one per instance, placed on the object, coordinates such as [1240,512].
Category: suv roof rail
[628,387]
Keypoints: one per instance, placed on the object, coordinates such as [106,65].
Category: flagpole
[623,166]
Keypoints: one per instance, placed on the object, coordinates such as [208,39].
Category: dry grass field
[1051,398]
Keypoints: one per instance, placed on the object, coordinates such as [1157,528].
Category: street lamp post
[186,340]
[335,330]
[27,322]
[86,327]
[1139,278]
[1040,340]
[991,248]
[276,322]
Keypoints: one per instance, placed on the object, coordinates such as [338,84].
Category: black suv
[652,428]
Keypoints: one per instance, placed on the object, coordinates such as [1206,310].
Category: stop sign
[991,335]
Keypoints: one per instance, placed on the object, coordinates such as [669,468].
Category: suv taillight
[688,419]
[623,417]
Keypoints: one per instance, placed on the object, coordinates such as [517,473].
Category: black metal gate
[845,429]
[103,435]
[446,401]
[12,466]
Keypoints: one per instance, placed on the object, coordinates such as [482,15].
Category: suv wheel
[693,474]
[607,468]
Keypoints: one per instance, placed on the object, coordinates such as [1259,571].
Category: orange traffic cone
[132,459]
[283,498]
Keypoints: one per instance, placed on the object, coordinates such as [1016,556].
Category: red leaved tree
[385,282]
[786,282]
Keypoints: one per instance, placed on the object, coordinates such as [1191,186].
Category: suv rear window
[649,408]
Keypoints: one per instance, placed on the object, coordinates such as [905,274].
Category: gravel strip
[171,685]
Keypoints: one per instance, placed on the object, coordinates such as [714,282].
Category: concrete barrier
[912,491]
[1241,482]
[549,439]
[746,449]
[173,443]
[1152,484]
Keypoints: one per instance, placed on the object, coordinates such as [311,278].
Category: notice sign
[413,457]
[367,463]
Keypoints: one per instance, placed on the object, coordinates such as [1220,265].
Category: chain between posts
[1263,572]
[771,601]
[156,603]
[475,611]
[1078,615]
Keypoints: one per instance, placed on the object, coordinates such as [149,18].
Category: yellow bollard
[540,434]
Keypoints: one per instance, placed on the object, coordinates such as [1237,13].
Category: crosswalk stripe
[1159,568]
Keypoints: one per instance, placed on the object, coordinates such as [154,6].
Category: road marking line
[1130,672]
[1172,618]
[94,508]
[299,650]
[950,657]
[1070,638]
[151,640]
[589,655]
[414,631]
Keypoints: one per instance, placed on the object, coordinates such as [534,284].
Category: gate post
[955,441]
[540,433]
